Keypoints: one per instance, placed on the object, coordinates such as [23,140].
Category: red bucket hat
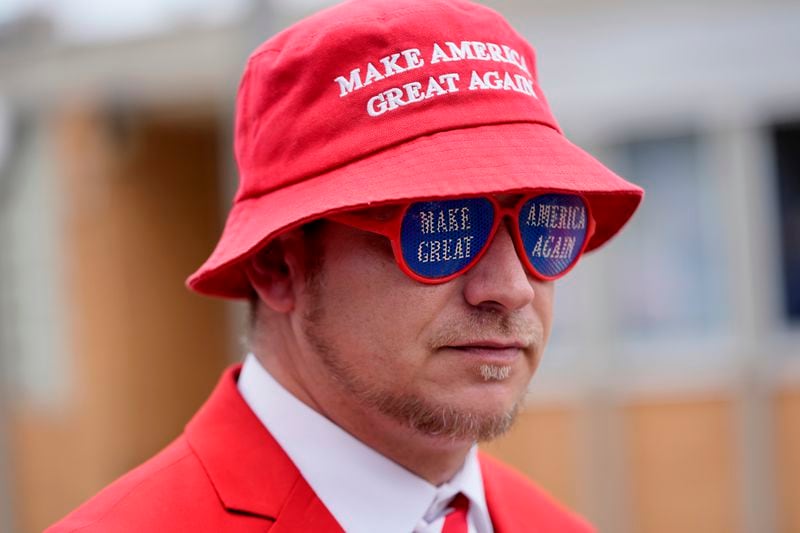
[378,101]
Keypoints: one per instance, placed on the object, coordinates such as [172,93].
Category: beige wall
[680,461]
[682,466]
[787,416]
[140,211]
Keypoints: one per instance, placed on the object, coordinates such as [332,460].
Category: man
[406,202]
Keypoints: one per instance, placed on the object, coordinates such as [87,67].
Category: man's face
[451,360]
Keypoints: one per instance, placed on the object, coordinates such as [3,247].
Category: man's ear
[275,270]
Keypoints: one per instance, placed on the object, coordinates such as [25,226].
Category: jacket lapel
[249,470]
[508,508]
[304,511]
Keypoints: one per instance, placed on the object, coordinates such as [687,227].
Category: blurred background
[669,399]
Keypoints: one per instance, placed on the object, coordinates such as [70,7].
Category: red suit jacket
[226,473]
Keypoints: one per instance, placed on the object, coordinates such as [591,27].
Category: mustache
[482,324]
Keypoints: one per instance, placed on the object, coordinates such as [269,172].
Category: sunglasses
[435,241]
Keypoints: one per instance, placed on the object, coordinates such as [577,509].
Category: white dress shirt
[365,491]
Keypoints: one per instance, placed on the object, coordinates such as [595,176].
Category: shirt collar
[345,473]
[468,481]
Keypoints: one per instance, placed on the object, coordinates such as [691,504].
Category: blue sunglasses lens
[441,238]
[553,229]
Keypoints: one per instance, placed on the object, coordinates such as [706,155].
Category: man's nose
[499,279]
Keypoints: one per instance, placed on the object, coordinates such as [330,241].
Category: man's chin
[452,421]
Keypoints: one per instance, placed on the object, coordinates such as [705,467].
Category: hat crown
[366,75]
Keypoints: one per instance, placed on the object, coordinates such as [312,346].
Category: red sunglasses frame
[390,228]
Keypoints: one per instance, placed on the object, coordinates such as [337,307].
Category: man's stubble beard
[427,417]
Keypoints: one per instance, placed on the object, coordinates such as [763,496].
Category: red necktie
[456,521]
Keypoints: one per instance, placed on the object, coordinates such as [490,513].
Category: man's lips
[503,351]
[491,344]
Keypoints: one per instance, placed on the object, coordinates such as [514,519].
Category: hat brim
[479,160]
